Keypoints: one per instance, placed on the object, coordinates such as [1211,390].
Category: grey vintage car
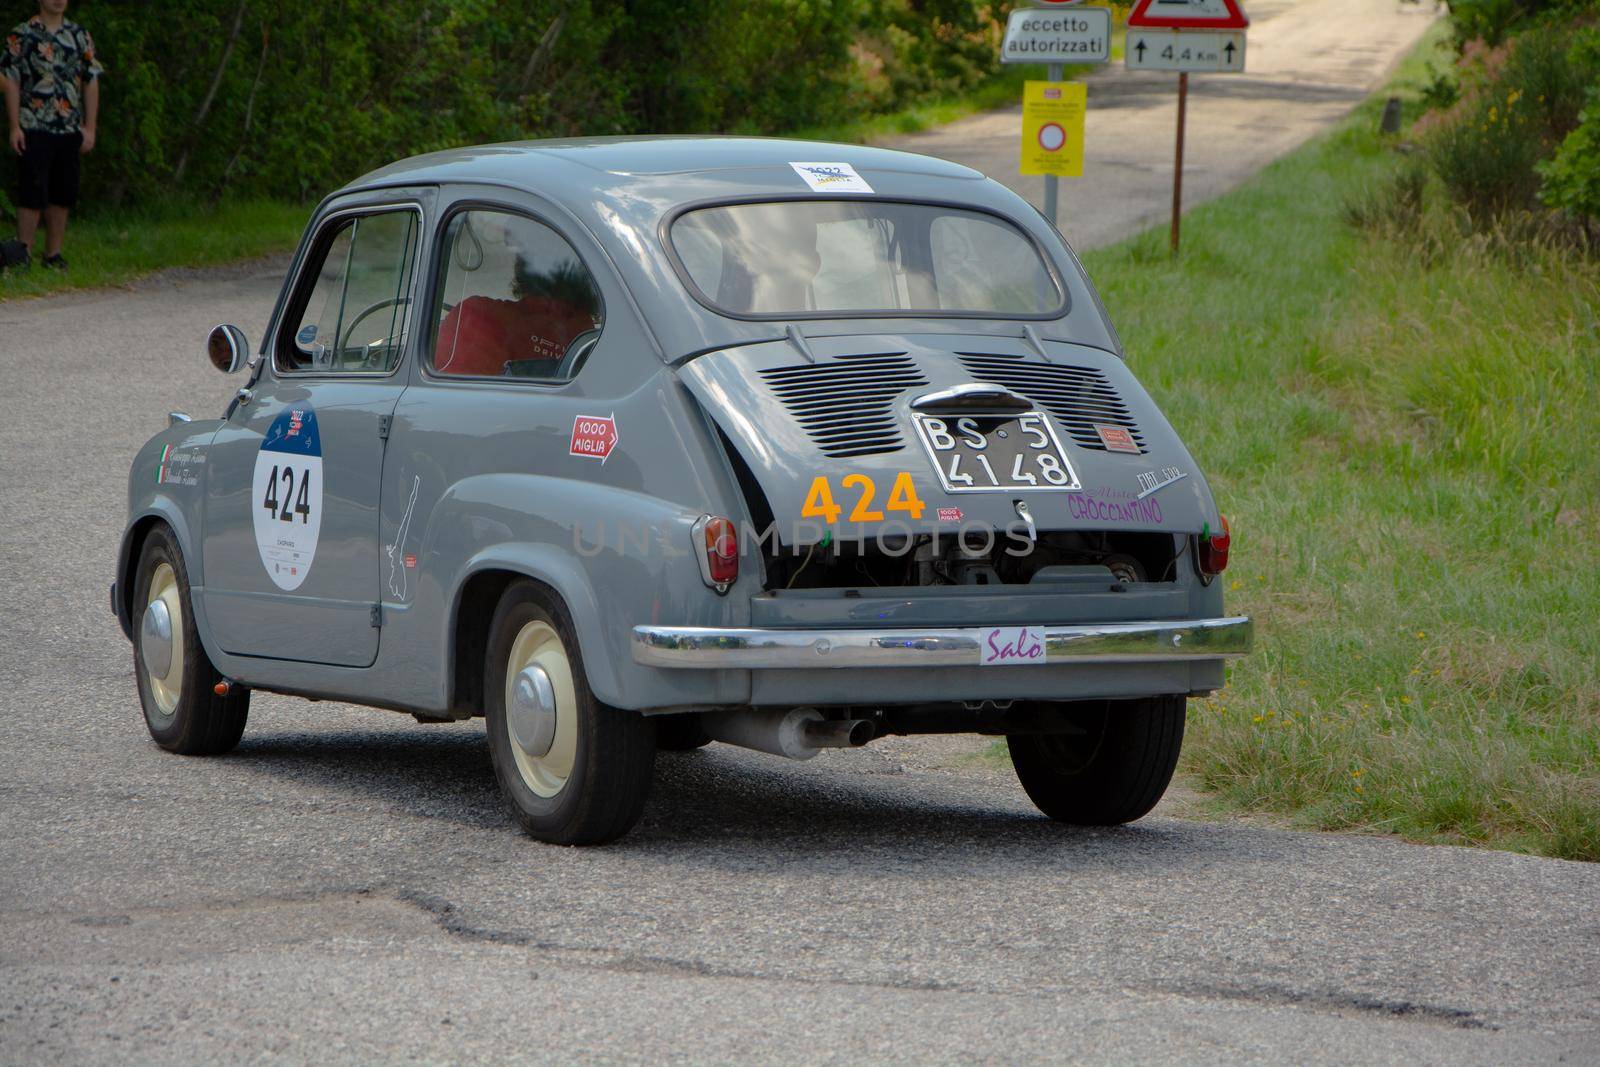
[628,444]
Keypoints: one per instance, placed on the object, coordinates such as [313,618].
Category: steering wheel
[396,301]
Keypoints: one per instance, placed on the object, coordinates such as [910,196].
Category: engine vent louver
[1079,398]
[846,404]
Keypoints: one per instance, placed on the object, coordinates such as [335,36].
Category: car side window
[353,318]
[514,300]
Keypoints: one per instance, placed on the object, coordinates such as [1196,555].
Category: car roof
[587,165]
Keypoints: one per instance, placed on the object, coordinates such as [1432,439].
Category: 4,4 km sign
[1212,53]
[1186,35]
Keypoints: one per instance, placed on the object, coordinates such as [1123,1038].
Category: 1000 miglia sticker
[286,497]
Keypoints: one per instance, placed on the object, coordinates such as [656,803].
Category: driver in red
[549,309]
[481,335]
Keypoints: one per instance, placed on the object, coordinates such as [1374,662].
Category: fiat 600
[639,444]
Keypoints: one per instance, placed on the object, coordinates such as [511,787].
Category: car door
[291,530]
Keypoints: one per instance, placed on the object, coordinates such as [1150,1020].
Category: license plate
[996,453]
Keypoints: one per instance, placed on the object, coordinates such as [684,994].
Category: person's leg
[27,224]
[55,230]
[63,193]
[33,182]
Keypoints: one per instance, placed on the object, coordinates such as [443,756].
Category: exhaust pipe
[846,733]
[798,733]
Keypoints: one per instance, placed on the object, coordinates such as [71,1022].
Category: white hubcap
[161,639]
[541,709]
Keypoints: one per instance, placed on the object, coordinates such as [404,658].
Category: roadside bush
[1572,178]
[1518,102]
[1493,21]
[1442,91]
[288,98]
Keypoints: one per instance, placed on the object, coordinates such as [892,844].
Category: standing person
[52,87]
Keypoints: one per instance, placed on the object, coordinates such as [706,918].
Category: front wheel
[574,771]
[1111,766]
[177,682]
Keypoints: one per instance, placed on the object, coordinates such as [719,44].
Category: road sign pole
[1051,182]
[1177,169]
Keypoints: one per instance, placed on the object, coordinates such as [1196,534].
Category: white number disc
[286,497]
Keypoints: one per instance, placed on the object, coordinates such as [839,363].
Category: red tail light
[718,543]
[1214,551]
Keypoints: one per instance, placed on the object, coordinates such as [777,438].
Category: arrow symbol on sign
[1140,49]
[1230,51]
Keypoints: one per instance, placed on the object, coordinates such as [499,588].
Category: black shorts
[49,171]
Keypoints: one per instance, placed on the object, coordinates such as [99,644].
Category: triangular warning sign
[1188,15]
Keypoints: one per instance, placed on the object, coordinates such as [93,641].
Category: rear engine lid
[930,432]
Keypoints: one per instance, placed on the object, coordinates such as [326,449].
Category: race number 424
[282,499]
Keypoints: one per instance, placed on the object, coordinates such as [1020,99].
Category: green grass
[110,247]
[1404,431]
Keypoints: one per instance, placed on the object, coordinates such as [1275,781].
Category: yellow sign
[1052,128]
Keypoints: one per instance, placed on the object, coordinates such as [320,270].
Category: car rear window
[799,258]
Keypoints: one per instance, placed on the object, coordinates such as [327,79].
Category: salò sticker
[286,497]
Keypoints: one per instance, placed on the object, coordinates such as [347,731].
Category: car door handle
[244,396]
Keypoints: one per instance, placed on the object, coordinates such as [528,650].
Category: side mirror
[228,349]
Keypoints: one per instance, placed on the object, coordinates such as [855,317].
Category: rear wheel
[574,771]
[177,683]
[1112,768]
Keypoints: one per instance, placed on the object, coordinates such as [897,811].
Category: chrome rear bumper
[1112,642]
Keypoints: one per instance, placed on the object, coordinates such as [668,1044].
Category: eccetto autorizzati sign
[1068,35]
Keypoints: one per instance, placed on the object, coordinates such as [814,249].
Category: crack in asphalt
[1338,1002]
[449,919]
[448,916]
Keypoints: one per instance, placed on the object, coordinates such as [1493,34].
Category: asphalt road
[347,886]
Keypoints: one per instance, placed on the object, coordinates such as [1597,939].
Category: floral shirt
[50,68]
